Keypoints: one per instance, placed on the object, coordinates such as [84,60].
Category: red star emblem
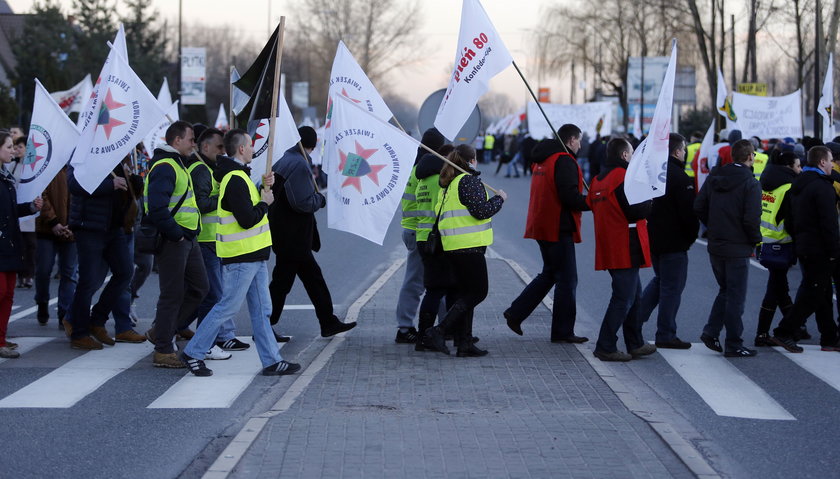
[257,135]
[105,119]
[358,166]
[330,106]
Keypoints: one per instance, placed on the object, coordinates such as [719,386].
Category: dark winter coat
[672,225]
[11,241]
[237,200]
[294,231]
[729,204]
[105,209]
[161,185]
[813,216]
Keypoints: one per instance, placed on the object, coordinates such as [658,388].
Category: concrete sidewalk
[528,409]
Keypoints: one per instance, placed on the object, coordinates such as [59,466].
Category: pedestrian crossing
[70,383]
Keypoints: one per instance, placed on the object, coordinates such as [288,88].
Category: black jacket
[729,204]
[161,185]
[11,241]
[203,184]
[427,166]
[565,180]
[106,208]
[237,200]
[294,231]
[813,216]
[672,225]
[633,213]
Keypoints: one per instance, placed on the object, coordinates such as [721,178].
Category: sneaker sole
[217,359]
[785,347]
[131,341]
[282,373]
[169,366]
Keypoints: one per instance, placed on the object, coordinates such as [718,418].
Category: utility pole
[817,55]
[732,45]
[178,56]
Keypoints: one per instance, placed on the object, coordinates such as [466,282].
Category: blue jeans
[67,270]
[559,271]
[665,289]
[731,275]
[121,308]
[98,251]
[237,276]
[622,312]
[213,267]
[412,287]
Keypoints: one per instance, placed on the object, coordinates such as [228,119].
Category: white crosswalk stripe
[727,390]
[72,382]
[26,344]
[230,378]
[822,364]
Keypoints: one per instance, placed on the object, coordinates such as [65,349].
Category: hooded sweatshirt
[729,204]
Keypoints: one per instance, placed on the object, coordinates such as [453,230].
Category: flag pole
[230,99]
[556,135]
[445,159]
[272,120]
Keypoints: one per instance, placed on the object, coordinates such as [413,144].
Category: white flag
[74,99]
[368,177]
[164,95]
[637,123]
[826,105]
[725,104]
[128,112]
[221,118]
[707,157]
[645,177]
[52,137]
[157,136]
[285,137]
[480,56]
[349,80]
[91,109]
[240,98]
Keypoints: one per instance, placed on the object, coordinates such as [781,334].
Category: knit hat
[433,139]
[734,136]
[308,137]
[834,147]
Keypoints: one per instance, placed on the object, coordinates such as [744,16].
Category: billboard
[193,72]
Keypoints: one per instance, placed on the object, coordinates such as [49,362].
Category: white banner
[586,116]
[769,116]
[368,178]
[91,109]
[157,136]
[707,157]
[193,72]
[128,113]
[52,138]
[285,137]
[480,55]
[646,173]
[74,99]
[221,119]
[826,105]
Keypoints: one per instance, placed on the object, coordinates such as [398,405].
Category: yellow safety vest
[458,228]
[187,214]
[760,161]
[690,153]
[408,202]
[771,201]
[489,141]
[233,240]
[211,219]
[427,192]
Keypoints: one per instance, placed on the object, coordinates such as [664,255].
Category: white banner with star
[128,112]
[74,99]
[52,137]
[368,175]
[157,136]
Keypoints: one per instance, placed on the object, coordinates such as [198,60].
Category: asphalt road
[112,431]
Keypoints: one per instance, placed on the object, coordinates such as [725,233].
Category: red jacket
[612,230]
[545,207]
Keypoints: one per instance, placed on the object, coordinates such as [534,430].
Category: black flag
[258,83]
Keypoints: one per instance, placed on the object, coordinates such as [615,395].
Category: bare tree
[494,105]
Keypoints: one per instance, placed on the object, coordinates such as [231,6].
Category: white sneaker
[217,353]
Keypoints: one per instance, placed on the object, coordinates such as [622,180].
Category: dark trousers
[813,297]
[777,295]
[560,272]
[665,291]
[67,264]
[282,279]
[622,312]
[99,251]
[183,285]
[470,271]
[731,275]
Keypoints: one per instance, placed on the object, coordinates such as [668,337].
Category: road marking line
[15,306]
[26,312]
[230,377]
[28,343]
[727,390]
[233,453]
[291,307]
[72,382]
[821,364]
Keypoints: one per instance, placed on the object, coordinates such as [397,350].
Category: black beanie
[433,139]
[308,137]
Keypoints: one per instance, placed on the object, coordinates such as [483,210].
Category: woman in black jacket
[11,241]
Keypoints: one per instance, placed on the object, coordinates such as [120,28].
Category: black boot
[435,338]
[43,313]
[425,321]
[467,349]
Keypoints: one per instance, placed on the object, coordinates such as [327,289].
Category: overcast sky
[514,19]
